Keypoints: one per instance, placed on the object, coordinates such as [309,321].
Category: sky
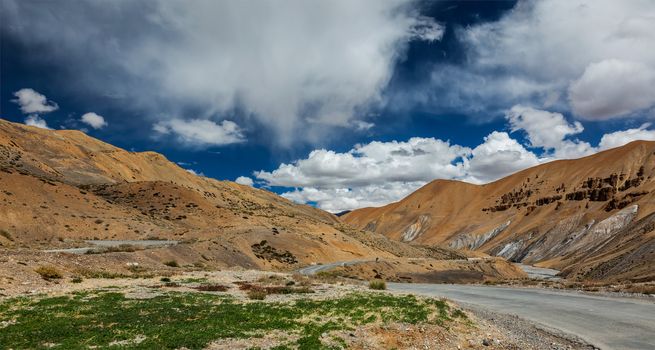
[339,104]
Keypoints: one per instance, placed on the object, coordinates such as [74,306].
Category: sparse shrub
[6,235]
[211,288]
[136,269]
[49,272]
[457,313]
[76,279]
[172,263]
[165,279]
[256,294]
[377,284]
[98,221]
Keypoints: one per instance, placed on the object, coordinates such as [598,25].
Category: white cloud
[339,199]
[196,173]
[613,88]
[361,125]
[35,120]
[620,138]
[378,173]
[32,102]
[548,130]
[298,68]
[381,172]
[426,28]
[418,159]
[201,132]
[244,180]
[498,156]
[94,120]
[534,53]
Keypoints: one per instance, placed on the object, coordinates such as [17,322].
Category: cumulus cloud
[416,160]
[93,120]
[378,173]
[201,132]
[244,180]
[541,50]
[196,173]
[497,156]
[35,120]
[32,102]
[620,138]
[287,66]
[613,88]
[339,199]
[548,130]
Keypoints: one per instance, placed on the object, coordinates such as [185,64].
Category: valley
[84,224]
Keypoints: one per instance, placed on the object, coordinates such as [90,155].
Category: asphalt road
[313,269]
[605,322]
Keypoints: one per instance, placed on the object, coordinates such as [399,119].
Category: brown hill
[590,217]
[59,189]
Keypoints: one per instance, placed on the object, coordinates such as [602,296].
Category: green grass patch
[192,320]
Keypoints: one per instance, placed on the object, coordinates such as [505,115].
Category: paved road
[605,322]
[540,272]
[313,269]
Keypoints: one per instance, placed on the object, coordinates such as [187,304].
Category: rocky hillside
[59,188]
[592,217]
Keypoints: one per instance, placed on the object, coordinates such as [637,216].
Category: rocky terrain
[62,189]
[224,310]
[593,218]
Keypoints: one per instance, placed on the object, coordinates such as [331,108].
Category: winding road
[605,322]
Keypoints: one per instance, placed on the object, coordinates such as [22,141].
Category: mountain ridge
[529,216]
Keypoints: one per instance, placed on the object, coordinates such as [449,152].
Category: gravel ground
[524,334]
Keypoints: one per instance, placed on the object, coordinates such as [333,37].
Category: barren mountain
[592,218]
[58,188]
[62,188]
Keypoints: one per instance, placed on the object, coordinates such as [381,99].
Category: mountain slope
[61,187]
[575,215]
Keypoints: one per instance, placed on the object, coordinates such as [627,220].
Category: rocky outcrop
[470,241]
[414,230]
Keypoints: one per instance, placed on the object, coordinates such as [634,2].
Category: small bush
[172,263]
[76,279]
[165,279]
[457,313]
[49,272]
[6,235]
[256,294]
[377,285]
[211,288]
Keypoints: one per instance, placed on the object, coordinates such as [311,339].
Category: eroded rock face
[567,238]
[469,241]
[414,230]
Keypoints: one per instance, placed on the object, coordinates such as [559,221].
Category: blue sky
[339,104]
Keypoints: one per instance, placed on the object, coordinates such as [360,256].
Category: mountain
[61,188]
[593,217]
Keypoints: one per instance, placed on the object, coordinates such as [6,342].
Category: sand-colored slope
[59,188]
[554,214]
